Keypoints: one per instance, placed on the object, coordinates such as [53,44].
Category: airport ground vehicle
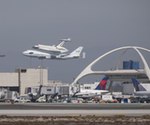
[22,99]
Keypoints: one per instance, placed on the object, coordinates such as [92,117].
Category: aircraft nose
[24,52]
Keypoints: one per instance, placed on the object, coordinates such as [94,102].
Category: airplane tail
[76,52]
[40,88]
[62,42]
[137,85]
[102,84]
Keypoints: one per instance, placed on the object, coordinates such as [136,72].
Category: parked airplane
[41,55]
[55,49]
[99,90]
[140,90]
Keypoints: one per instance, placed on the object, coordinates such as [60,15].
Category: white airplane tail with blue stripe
[137,85]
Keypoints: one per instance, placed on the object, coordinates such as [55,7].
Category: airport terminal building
[22,79]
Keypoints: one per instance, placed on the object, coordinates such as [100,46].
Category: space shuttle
[55,49]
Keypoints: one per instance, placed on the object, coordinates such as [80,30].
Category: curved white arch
[88,69]
[146,67]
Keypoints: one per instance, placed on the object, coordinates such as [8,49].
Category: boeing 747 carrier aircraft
[42,55]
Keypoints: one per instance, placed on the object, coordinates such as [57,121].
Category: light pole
[41,71]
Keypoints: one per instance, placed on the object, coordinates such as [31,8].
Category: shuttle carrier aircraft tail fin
[76,52]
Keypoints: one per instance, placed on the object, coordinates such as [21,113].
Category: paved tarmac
[74,112]
[44,109]
[72,106]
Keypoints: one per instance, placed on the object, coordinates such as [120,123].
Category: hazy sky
[98,25]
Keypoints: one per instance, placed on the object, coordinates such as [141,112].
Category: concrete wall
[33,77]
[8,79]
